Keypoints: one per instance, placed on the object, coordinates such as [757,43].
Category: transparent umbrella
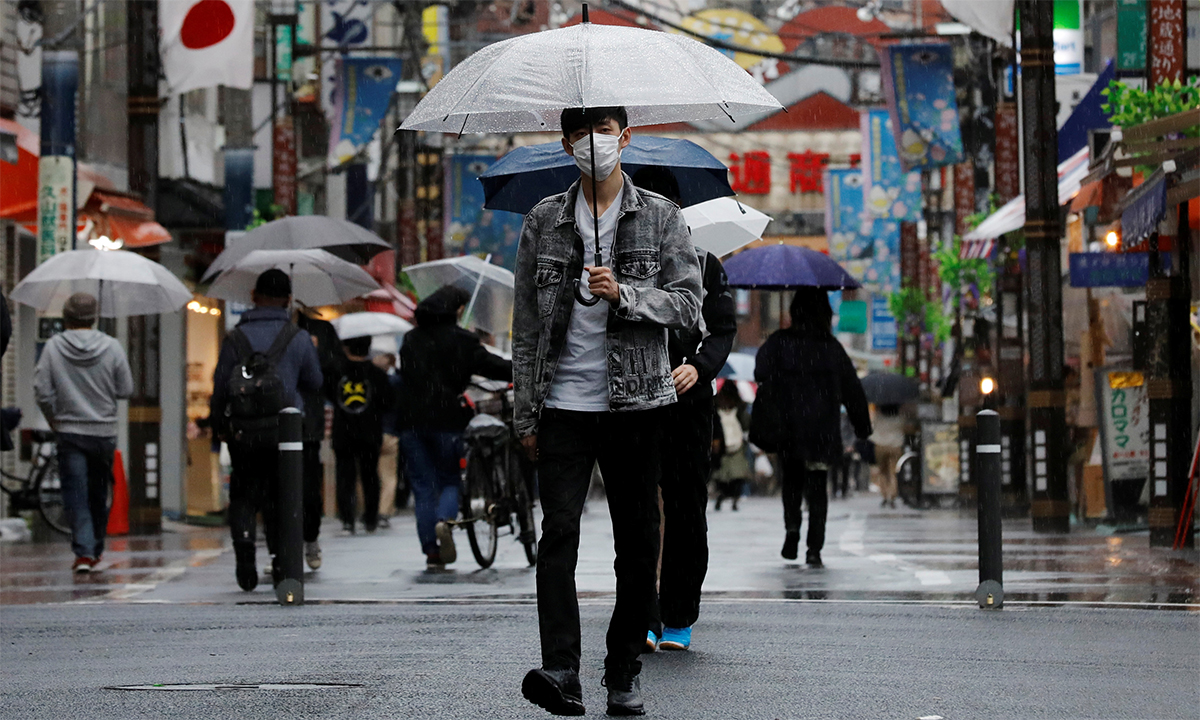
[318,278]
[362,324]
[339,237]
[123,282]
[490,287]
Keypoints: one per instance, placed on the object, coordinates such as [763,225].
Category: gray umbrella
[307,232]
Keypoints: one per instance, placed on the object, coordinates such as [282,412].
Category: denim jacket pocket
[549,281]
[638,264]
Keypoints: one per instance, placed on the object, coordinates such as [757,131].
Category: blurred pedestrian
[697,355]
[361,393]
[389,467]
[889,445]
[436,364]
[812,377]
[732,468]
[266,363]
[80,376]
[329,353]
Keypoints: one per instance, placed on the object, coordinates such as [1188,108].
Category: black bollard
[290,516]
[990,592]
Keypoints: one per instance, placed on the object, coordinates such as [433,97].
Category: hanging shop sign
[364,91]
[1124,423]
[919,85]
[1068,38]
[889,192]
[56,206]
[1107,269]
[1131,35]
[883,324]
[866,246]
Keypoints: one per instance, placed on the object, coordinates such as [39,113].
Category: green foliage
[913,311]
[277,211]
[959,273]
[1129,106]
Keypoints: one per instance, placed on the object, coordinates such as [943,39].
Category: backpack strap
[282,340]
[241,345]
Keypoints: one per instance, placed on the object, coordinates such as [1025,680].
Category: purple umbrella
[786,267]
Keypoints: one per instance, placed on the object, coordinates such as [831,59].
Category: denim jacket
[655,265]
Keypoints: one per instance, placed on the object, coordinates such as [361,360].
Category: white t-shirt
[581,380]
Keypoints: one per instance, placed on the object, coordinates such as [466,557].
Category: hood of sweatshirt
[83,347]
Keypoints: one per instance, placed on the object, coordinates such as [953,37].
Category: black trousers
[314,481]
[358,460]
[626,446]
[686,466]
[253,488]
[800,483]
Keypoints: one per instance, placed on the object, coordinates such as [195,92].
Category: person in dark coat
[436,365]
[813,377]
[329,354]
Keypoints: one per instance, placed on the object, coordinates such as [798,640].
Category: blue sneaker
[651,642]
[676,638]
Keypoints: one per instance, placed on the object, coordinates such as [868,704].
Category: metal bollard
[990,592]
[290,514]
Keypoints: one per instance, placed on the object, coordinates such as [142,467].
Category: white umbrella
[490,287]
[318,278]
[343,238]
[123,282]
[362,324]
[723,225]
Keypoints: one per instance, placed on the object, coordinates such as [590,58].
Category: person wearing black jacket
[436,365]
[697,356]
[361,393]
[811,375]
[329,353]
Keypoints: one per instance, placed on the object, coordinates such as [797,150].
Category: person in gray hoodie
[80,376]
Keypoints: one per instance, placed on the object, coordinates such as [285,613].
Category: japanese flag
[206,43]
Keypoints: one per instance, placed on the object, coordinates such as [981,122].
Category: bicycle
[498,480]
[41,489]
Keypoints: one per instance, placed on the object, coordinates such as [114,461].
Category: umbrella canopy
[523,83]
[884,388]
[318,277]
[723,225]
[738,366]
[786,267]
[490,287]
[123,282]
[361,324]
[340,237]
[520,179]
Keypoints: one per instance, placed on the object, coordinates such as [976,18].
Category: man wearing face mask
[591,381]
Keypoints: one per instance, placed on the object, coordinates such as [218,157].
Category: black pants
[253,488]
[314,480]
[626,446]
[686,466]
[358,460]
[800,483]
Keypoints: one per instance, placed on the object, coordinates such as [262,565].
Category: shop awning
[18,192]
[1145,206]
[979,242]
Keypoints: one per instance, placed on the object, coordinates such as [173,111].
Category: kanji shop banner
[866,246]
[889,193]
[919,84]
[364,90]
[206,43]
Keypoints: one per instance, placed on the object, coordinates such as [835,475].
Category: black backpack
[254,392]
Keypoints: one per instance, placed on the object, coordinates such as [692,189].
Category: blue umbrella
[520,179]
[786,267]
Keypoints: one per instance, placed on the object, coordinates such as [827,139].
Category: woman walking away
[812,377]
[436,364]
[889,442]
[731,468]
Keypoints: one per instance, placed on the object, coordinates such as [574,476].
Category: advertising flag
[364,90]
[889,193]
[205,43]
[919,84]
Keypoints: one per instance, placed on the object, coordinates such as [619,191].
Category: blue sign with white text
[1105,269]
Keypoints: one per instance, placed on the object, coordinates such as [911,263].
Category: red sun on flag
[206,24]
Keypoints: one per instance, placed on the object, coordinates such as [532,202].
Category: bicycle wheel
[478,508]
[519,476]
[48,487]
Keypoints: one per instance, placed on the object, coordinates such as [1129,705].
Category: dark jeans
[431,463]
[85,468]
[357,460]
[253,488]
[314,482]
[626,446]
[686,466]
[800,483]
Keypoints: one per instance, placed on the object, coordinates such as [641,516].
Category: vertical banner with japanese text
[56,167]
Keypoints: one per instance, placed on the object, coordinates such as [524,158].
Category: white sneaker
[312,554]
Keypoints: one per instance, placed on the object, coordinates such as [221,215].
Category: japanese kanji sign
[751,172]
[1166,41]
[56,206]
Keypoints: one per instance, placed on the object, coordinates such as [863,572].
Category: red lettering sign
[283,164]
[1008,167]
[1166,41]
[751,172]
[964,195]
[804,175]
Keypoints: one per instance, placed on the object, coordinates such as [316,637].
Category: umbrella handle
[589,300]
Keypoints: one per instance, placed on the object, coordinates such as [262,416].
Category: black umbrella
[883,388]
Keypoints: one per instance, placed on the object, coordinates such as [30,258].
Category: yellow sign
[1124,380]
[736,27]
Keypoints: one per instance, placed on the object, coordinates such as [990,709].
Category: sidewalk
[871,554]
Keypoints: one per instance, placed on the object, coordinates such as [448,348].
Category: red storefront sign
[1166,41]
[805,171]
[1008,165]
[283,164]
[964,195]
[751,172]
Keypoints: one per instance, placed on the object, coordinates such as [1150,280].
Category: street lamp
[987,385]
[1112,239]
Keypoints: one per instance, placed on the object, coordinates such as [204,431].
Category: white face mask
[608,154]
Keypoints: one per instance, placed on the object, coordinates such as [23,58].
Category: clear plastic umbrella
[123,282]
[363,324]
[490,287]
[723,225]
[318,278]
[339,237]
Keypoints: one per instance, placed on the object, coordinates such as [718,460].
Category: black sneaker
[247,572]
[556,691]
[791,546]
[813,558]
[624,692]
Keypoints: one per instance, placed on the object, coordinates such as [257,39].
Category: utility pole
[1050,507]
[145,412]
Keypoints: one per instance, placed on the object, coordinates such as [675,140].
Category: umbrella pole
[598,257]
[474,294]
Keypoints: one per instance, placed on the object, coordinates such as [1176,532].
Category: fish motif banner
[889,193]
[919,84]
[866,246]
